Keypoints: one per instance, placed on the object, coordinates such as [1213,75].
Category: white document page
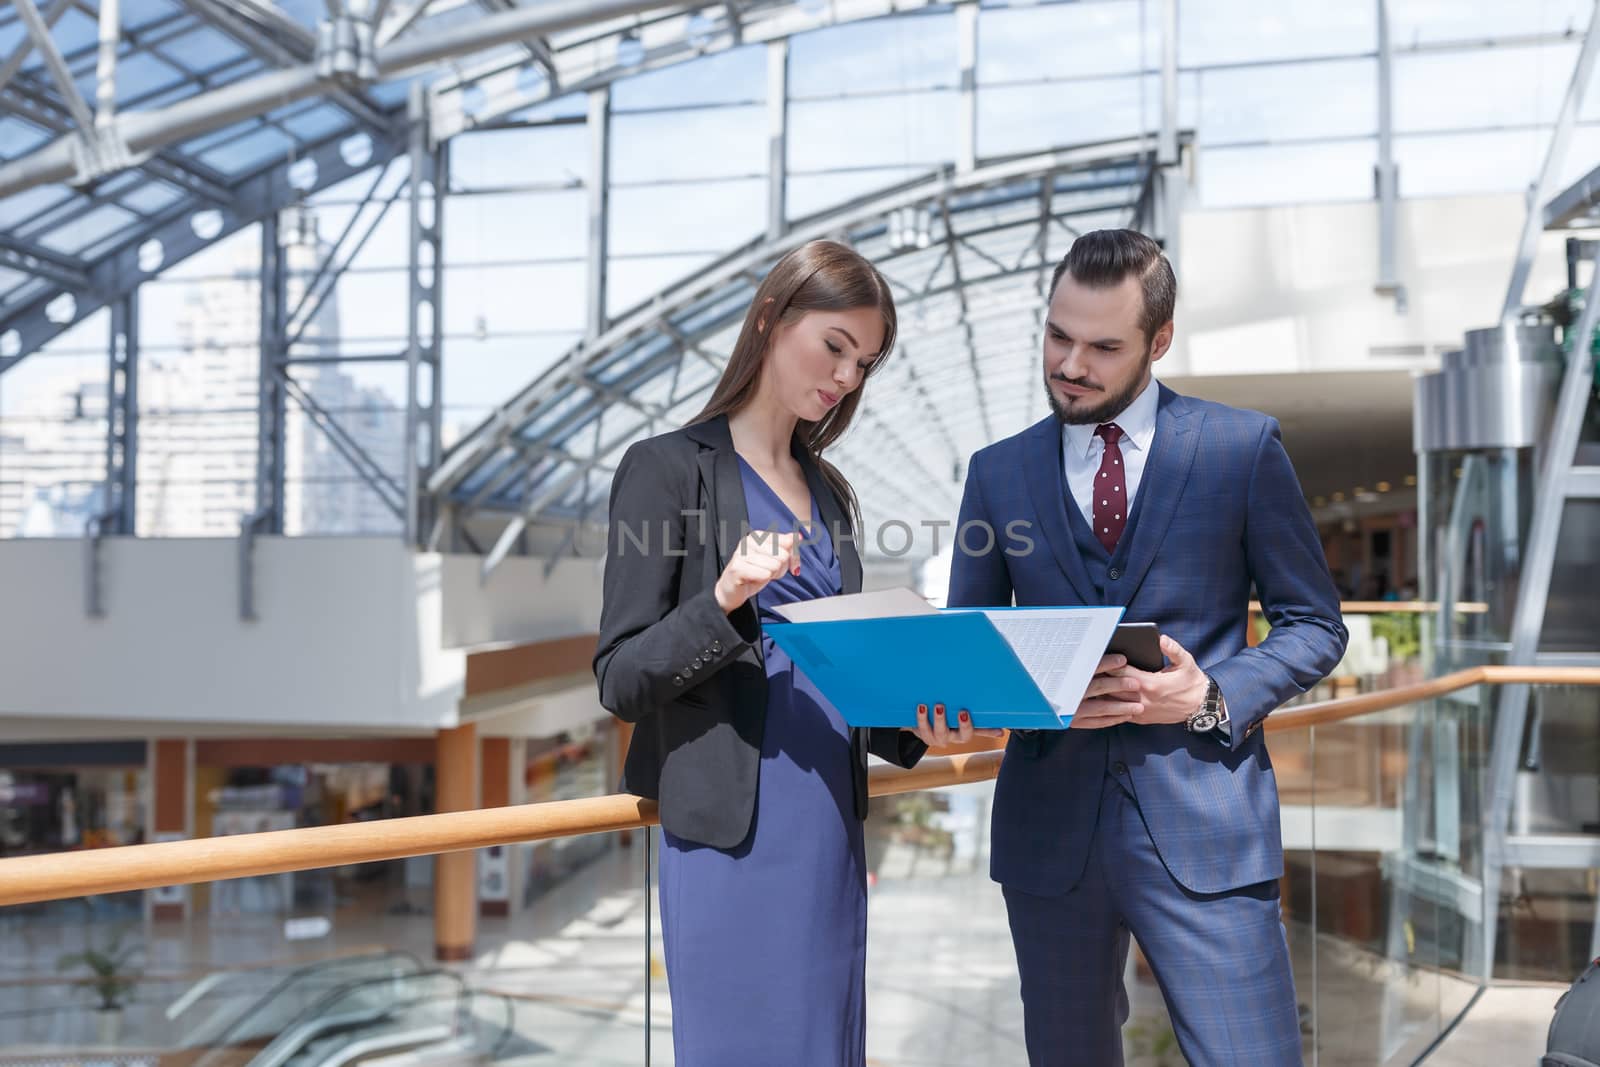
[1060,647]
[879,604]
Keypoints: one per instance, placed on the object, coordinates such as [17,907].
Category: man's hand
[1171,694]
[937,734]
[1111,699]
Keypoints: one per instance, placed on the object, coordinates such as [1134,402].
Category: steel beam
[326,279]
[425,273]
[750,262]
[1388,175]
[538,49]
[119,273]
[1533,592]
[599,186]
[105,97]
[1577,202]
[777,138]
[1583,483]
[369,470]
[967,62]
[39,30]
[1047,190]
[1167,142]
[1532,224]
[959,290]
[19,55]
[582,67]
[279,41]
[32,103]
[1553,851]
[271,408]
[403,21]
[433,451]
[146,131]
[22,255]
[122,417]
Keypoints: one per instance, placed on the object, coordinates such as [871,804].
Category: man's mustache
[1079,383]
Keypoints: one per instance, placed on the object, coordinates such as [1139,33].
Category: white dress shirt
[1082,449]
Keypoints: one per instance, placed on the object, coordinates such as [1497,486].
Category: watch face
[1204,722]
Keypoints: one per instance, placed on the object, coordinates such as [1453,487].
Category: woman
[762,786]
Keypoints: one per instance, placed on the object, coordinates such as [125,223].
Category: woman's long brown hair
[817,276]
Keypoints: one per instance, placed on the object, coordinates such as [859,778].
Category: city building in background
[199,424]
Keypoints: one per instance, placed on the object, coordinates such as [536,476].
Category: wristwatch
[1211,713]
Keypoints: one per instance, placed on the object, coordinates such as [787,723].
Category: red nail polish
[964,716]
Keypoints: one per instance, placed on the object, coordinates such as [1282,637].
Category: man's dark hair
[1101,259]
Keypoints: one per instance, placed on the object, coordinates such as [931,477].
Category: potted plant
[110,978]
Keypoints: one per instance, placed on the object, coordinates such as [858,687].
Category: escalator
[245,1009]
[429,1018]
[360,1009]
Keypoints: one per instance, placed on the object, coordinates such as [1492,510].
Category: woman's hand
[760,558]
[938,734]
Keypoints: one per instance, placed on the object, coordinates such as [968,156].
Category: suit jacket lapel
[1042,463]
[1166,472]
[832,514]
[719,474]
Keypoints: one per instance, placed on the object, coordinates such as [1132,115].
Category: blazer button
[1119,768]
[716,646]
[677,679]
[696,662]
[1113,574]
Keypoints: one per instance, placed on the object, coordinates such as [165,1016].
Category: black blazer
[688,675]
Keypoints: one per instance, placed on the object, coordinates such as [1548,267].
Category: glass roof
[168,52]
[968,272]
[1245,81]
[1280,106]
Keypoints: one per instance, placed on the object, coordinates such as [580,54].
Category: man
[1157,813]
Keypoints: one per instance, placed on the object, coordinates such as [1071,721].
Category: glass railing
[432,1016]
[249,1008]
[1388,644]
[1382,890]
[79,976]
[1382,798]
[1548,917]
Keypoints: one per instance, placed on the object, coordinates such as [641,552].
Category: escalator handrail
[230,1031]
[314,1018]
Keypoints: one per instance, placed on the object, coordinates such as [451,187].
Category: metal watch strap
[1208,716]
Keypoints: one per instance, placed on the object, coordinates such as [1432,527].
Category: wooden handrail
[1306,716]
[63,875]
[1326,711]
[1401,607]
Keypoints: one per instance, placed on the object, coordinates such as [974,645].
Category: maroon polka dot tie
[1110,489]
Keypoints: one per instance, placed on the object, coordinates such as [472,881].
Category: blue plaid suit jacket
[1221,511]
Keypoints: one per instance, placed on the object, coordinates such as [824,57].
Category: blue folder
[876,671]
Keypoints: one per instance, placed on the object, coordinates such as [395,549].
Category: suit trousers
[1221,959]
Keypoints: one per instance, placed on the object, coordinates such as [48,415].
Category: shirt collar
[1137,422]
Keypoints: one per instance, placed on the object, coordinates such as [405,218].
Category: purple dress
[766,942]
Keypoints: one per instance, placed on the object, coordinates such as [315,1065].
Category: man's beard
[1107,409]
